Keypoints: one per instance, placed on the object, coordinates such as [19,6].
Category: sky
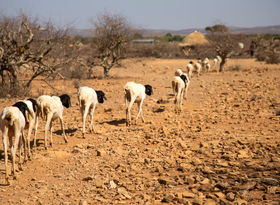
[150,14]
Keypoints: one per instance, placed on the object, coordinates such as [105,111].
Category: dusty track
[223,148]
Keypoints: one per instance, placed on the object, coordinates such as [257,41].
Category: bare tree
[111,36]
[225,44]
[24,44]
[217,28]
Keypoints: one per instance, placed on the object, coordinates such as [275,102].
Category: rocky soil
[224,148]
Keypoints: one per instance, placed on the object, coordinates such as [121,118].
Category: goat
[12,123]
[51,108]
[88,99]
[135,92]
[30,120]
[179,87]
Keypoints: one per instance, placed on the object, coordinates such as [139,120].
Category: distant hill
[256,30]
[252,30]
[160,32]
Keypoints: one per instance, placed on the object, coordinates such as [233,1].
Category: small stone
[83,202]
[210,202]
[101,153]
[243,154]
[159,169]
[207,170]
[188,194]
[112,185]
[270,181]
[222,185]
[98,182]
[230,196]
[197,201]
[205,181]
[240,202]
[190,180]
[168,198]
[272,190]
[165,181]
[248,186]
[224,202]
[220,195]
[87,178]
[162,181]
[123,192]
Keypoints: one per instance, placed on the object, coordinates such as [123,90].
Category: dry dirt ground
[224,148]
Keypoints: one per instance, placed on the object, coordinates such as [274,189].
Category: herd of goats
[24,115]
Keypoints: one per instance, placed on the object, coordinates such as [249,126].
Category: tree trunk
[14,80]
[2,77]
[222,65]
[106,71]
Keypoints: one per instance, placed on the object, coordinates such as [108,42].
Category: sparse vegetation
[14,90]
[268,50]
[170,38]
[157,50]
[111,36]
[217,28]
[29,48]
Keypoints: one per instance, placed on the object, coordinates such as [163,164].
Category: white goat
[219,59]
[197,68]
[204,63]
[207,67]
[30,121]
[178,72]
[215,61]
[179,87]
[187,83]
[88,99]
[190,69]
[12,123]
[135,92]
[51,108]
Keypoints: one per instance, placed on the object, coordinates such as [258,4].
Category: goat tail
[40,110]
[174,86]
[81,101]
[8,118]
[127,95]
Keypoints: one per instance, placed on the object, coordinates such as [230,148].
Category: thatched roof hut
[193,39]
